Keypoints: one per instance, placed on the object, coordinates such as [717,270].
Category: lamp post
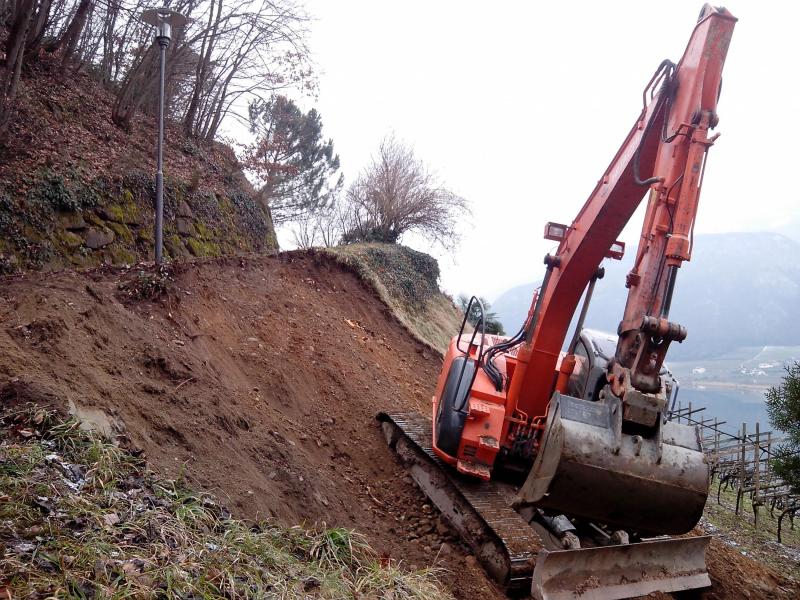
[163,19]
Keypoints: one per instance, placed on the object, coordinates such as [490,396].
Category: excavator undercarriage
[531,550]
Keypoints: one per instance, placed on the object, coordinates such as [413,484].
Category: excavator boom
[664,150]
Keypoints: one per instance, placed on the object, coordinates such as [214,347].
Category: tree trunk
[201,72]
[133,90]
[38,28]
[108,44]
[11,68]
[69,41]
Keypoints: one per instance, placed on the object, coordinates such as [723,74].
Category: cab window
[577,381]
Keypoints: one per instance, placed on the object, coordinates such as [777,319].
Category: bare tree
[67,43]
[230,54]
[26,20]
[249,50]
[330,222]
[305,231]
[322,226]
[397,193]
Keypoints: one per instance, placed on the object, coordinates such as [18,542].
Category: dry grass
[82,518]
[431,317]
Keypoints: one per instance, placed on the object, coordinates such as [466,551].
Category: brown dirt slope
[407,281]
[256,379]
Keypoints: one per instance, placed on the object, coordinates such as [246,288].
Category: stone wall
[57,220]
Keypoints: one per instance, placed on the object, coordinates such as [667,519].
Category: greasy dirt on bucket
[258,379]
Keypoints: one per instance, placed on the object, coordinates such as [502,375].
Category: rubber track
[520,541]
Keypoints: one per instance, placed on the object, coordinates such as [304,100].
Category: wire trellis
[742,462]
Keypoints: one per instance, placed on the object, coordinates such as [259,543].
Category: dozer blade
[624,571]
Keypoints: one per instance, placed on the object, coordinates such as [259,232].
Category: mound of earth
[256,379]
[408,281]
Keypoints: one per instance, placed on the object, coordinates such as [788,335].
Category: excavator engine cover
[587,467]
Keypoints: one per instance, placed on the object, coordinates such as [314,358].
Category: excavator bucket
[621,571]
[588,467]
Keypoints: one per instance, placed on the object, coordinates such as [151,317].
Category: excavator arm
[495,398]
[618,448]
[665,151]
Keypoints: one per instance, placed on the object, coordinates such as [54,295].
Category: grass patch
[82,518]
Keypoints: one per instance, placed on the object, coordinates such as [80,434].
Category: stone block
[95,237]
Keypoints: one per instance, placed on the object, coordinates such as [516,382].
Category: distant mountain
[791,230]
[740,289]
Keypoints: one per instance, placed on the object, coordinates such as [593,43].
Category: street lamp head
[163,19]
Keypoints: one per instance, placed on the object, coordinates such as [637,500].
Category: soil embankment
[257,379]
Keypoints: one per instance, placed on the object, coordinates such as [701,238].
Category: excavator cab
[593,352]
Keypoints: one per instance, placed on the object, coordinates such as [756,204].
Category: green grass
[82,518]
[759,542]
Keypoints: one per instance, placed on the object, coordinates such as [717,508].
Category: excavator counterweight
[560,453]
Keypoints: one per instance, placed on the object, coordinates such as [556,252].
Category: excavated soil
[258,380]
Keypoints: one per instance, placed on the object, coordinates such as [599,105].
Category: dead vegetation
[83,518]
[407,281]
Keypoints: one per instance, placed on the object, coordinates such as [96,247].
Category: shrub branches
[397,193]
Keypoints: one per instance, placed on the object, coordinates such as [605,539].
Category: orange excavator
[557,462]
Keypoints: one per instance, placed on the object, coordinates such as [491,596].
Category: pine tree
[297,168]
[783,406]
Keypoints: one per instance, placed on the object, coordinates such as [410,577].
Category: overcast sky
[520,106]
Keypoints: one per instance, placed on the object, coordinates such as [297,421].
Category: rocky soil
[257,379]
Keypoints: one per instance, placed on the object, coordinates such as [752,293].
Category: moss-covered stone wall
[57,219]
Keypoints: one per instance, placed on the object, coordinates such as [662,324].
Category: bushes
[7,210]
[409,276]
[413,275]
[250,216]
[149,285]
[51,192]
